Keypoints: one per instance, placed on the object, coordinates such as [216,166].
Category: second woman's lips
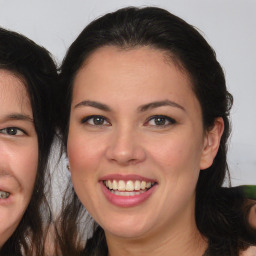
[127,198]
[127,190]
[129,182]
[130,185]
[126,177]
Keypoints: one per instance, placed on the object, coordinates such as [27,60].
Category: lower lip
[6,201]
[127,201]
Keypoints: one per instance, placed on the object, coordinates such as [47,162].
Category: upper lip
[4,189]
[9,183]
[9,186]
[126,177]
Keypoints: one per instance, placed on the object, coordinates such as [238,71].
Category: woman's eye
[160,121]
[96,121]
[13,131]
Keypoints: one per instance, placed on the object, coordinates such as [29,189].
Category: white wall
[228,25]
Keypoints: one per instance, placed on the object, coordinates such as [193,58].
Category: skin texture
[252,214]
[18,152]
[130,142]
[249,252]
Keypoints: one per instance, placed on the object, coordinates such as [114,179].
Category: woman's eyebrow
[17,116]
[142,108]
[157,104]
[93,104]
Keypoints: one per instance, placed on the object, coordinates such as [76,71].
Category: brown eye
[96,121]
[12,131]
[160,121]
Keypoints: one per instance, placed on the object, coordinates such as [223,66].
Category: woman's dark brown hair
[36,69]
[137,27]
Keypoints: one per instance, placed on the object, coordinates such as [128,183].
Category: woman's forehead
[137,77]
[13,96]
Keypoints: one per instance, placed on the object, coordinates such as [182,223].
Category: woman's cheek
[29,165]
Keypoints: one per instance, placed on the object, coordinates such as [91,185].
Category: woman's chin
[125,234]
[127,230]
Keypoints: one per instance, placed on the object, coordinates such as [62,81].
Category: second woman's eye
[160,121]
[96,120]
[12,131]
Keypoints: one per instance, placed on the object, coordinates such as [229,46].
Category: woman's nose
[125,148]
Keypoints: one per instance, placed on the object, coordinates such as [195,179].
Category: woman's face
[136,142]
[18,153]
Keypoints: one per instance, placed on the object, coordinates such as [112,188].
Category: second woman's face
[136,141]
[18,153]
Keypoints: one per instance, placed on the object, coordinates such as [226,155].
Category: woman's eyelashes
[159,121]
[13,131]
[96,120]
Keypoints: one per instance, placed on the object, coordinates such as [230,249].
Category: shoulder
[251,251]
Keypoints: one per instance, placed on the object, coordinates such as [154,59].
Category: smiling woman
[27,79]
[18,151]
[145,124]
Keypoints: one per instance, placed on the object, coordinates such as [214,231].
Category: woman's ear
[211,143]
[66,164]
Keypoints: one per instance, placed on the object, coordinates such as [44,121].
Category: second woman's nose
[125,147]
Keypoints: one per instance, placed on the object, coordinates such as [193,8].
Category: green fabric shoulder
[249,191]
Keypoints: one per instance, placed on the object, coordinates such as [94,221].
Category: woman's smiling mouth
[127,191]
[4,194]
[128,188]
[6,197]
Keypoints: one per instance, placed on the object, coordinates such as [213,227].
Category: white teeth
[143,185]
[109,184]
[124,193]
[121,185]
[4,195]
[129,185]
[137,185]
[115,187]
[148,185]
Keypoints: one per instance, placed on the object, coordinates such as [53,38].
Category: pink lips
[10,185]
[6,201]
[126,201]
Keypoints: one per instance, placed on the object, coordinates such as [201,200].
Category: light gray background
[228,25]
